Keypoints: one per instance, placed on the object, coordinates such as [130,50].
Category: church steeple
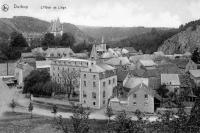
[93,54]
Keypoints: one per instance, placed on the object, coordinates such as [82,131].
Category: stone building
[97,83]
[96,80]
[56,28]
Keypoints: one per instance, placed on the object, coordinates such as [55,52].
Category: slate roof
[145,73]
[132,82]
[139,87]
[147,63]
[118,61]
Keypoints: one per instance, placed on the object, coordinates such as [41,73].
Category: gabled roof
[118,61]
[132,82]
[147,63]
[170,79]
[141,86]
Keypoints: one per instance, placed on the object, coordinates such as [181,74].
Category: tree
[196,56]
[13,105]
[139,115]
[80,119]
[30,109]
[67,40]
[62,125]
[123,123]
[33,79]
[162,91]
[70,79]
[194,120]
[109,113]
[48,40]
[17,40]
[54,110]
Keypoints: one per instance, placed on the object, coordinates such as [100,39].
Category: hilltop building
[56,28]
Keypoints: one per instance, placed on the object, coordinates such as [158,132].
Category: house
[171,81]
[195,76]
[96,85]
[191,65]
[56,53]
[146,64]
[140,96]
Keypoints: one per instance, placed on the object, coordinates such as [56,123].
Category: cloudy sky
[149,13]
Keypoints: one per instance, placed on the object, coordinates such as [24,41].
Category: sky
[115,13]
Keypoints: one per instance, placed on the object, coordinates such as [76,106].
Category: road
[7,94]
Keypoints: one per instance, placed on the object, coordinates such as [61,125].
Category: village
[115,79]
[122,78]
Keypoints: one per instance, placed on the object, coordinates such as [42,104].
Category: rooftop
[133,82]
[170,79]
[195,73]
[43,64]
[118,61]
[147,63]
[72,59]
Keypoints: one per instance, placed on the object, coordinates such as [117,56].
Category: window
[104,84]
[134,95]
[109,82]
[58,68]
[94,84]
[90,70]
[146,96]
[58,75]
[104,94]
[84,101]
[85,83]
[94,103]
[134,103]
[113,80]
[104,101]
[84,95]
[84,75]
[94,76]
[94,95]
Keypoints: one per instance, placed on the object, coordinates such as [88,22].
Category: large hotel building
[96,81]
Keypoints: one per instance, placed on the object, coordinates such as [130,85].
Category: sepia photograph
[99,66]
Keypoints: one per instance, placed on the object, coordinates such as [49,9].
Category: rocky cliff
[186,40]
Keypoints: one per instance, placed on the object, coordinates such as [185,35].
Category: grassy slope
[20,122]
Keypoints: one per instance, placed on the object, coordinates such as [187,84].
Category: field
[3,69]
[21,123]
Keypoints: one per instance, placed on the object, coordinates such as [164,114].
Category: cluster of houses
[140,75]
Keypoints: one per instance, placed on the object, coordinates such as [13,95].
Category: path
[7,94]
